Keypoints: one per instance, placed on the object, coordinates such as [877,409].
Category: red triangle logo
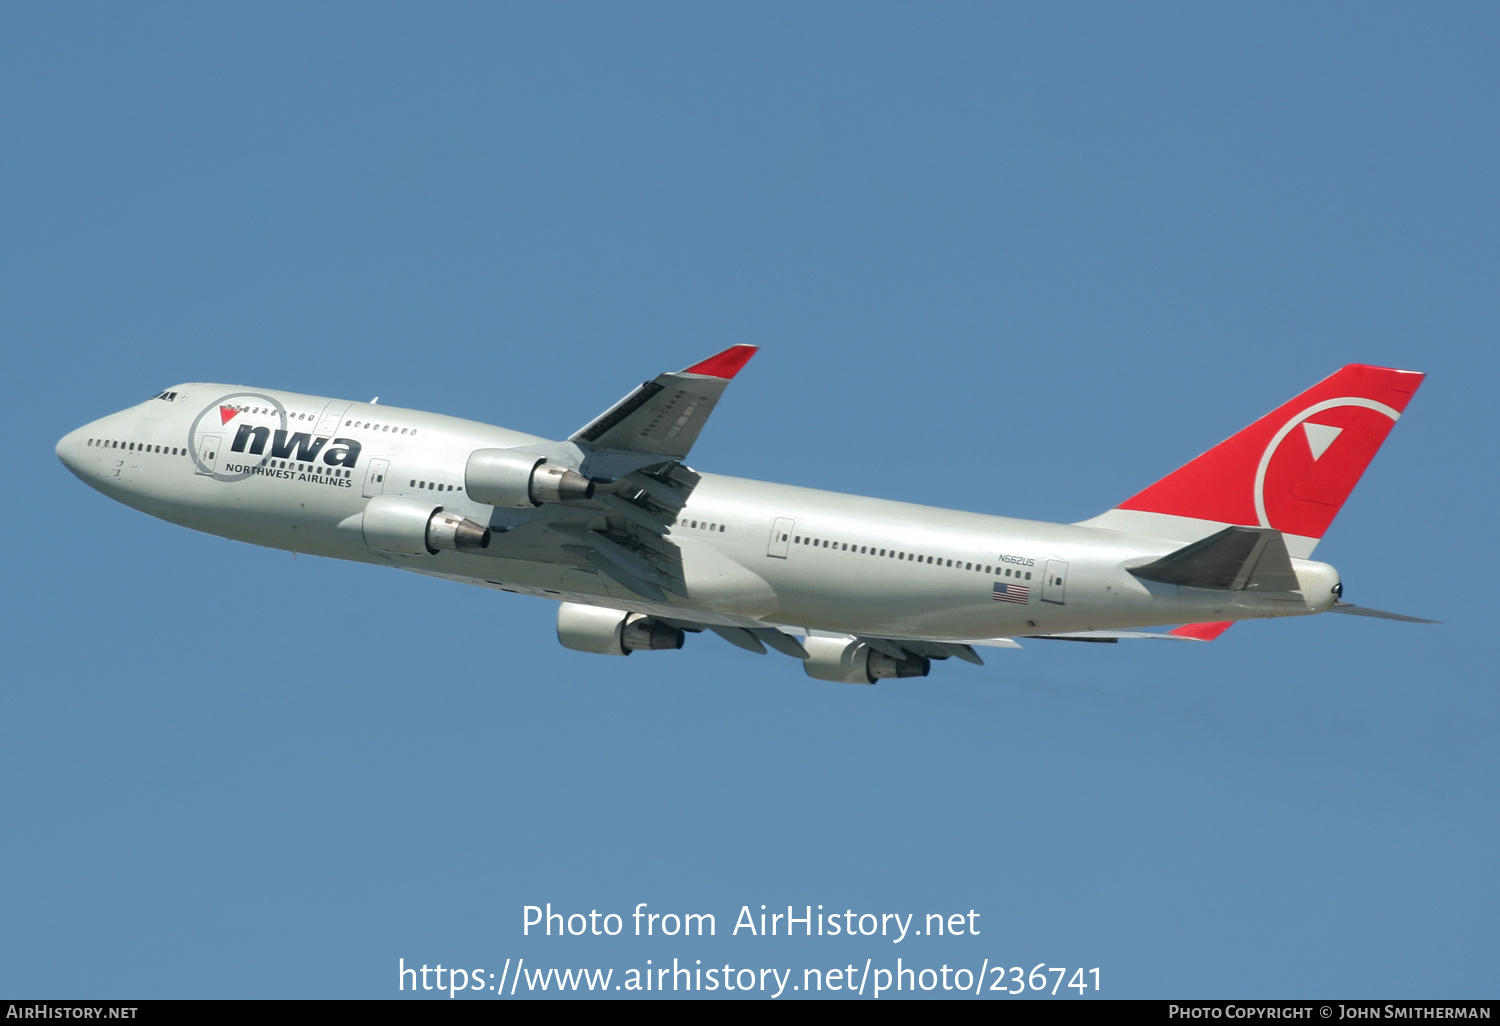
[226,414]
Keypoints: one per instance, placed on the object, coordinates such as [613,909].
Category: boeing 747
[639,549]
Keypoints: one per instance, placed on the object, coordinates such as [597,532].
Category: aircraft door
[781,537]
[208,454]
[375,477]
[332,419]
[1055,584]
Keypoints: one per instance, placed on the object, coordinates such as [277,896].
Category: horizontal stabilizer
[1353,610]
[1234,559]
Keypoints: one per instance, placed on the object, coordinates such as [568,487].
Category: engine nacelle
[855,662]
[509,477]
[460,534]
[416,527]
[612,631]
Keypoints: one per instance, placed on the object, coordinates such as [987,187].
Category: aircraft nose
[72,448]
[68,446]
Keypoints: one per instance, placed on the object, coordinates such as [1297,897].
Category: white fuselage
[753,553]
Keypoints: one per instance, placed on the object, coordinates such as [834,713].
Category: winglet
[726,364]
[1201,631]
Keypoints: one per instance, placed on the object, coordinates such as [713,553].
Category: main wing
[631,453]
[663,417]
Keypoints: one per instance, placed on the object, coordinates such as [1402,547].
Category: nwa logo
[282,439]
[295,445]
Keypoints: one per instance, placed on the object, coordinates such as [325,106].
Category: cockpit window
[168,396]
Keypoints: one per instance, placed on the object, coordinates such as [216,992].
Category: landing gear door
[781,537]
[208,455]
[375,477]
[1055,584]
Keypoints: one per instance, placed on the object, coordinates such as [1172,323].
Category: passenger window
[1028,575]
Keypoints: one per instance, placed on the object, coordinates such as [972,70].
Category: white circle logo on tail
[214,422]
[1319,438]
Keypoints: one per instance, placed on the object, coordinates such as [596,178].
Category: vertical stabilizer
[1291,470]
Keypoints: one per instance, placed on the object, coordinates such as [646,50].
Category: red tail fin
[1290,470]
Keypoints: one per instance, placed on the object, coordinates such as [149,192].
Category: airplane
[639,549]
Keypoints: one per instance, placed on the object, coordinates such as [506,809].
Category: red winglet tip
[726,364]
[1202,631]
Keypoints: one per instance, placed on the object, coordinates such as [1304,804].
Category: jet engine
[415,527]
[509,477]
[612,631]
[855,662]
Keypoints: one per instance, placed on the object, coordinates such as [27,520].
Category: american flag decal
[1012,593]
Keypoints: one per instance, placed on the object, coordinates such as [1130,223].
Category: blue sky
[1015,259]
